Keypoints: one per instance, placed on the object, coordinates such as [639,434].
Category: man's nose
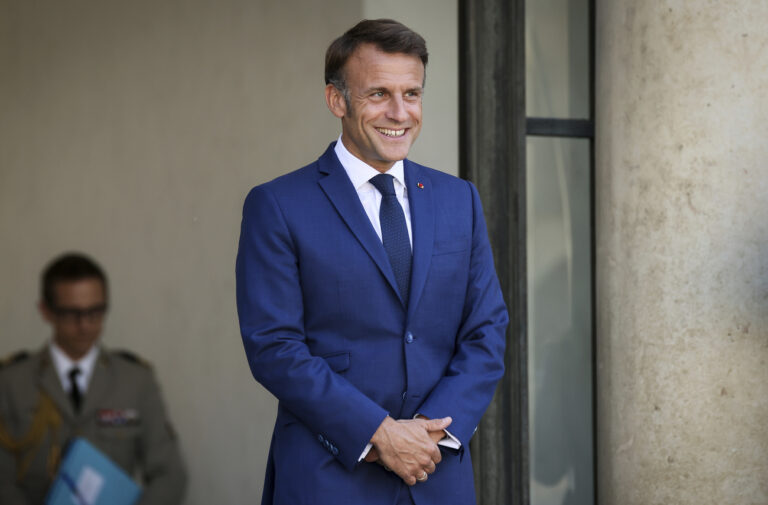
[84,322]
[397,111]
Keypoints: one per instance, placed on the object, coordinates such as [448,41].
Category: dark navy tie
[74,392]
[394,233]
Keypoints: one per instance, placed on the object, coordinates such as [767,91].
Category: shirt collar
[360,172]
[64,364]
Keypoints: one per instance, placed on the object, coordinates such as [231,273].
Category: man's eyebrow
[376,90]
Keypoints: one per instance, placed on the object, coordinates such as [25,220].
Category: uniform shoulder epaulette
[133,358]
[15,357]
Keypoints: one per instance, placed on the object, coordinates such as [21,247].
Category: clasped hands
[408,447]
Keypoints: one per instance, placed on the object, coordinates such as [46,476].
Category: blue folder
[88,477]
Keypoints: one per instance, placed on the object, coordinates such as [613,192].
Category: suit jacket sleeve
[271,313]
[469,381]
[164,475]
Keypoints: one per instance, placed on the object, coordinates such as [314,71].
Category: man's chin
[393,155]
[78,349]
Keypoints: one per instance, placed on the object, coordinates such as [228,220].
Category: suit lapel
[423,227]
[49,382]
[339,190]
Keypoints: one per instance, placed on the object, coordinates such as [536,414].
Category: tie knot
[384,183]
[73,373]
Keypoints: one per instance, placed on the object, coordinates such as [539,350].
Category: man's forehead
[369,54]
[371,67]
[73,291]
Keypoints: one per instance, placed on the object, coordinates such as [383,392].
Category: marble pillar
[682,252]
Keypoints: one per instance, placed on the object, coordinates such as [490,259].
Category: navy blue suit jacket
[325,330]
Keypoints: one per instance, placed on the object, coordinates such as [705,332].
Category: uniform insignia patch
[118,417]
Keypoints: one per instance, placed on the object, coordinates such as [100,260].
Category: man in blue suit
[368,301]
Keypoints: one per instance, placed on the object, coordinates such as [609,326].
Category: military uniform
[122,414]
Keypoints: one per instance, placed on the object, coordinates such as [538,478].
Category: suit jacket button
[409,337]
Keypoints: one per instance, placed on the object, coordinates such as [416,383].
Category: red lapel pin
[419,185]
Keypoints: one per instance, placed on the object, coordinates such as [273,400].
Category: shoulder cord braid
[47,416]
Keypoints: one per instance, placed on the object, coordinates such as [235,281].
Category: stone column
[492,139]
[682,252]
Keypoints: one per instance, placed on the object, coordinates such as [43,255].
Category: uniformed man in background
[74,387]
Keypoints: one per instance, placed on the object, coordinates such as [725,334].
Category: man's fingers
[437,436]
[406,446]
[438,424]
[437,457]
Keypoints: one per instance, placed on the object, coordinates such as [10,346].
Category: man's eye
[378,94]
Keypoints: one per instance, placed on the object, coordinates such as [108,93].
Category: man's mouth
[391,133]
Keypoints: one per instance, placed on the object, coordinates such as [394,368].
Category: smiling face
[383,117]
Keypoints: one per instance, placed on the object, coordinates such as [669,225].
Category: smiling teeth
[391,133]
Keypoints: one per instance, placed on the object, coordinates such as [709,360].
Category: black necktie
[394,233]
[74,392]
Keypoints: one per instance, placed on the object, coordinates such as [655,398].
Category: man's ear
[334,99]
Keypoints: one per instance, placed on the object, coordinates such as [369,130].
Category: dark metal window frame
[554,127]
[492,145]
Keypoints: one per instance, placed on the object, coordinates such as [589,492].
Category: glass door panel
[557,58]
[559,321]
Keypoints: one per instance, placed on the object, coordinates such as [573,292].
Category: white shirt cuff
[365,452]
[450,441]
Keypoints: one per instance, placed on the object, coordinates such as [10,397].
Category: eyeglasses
[71,315]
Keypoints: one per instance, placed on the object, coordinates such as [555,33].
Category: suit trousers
[404,496]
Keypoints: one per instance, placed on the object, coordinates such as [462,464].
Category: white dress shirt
[63,364]
[360,173]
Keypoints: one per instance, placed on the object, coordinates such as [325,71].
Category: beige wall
[132,131]
[682,252]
